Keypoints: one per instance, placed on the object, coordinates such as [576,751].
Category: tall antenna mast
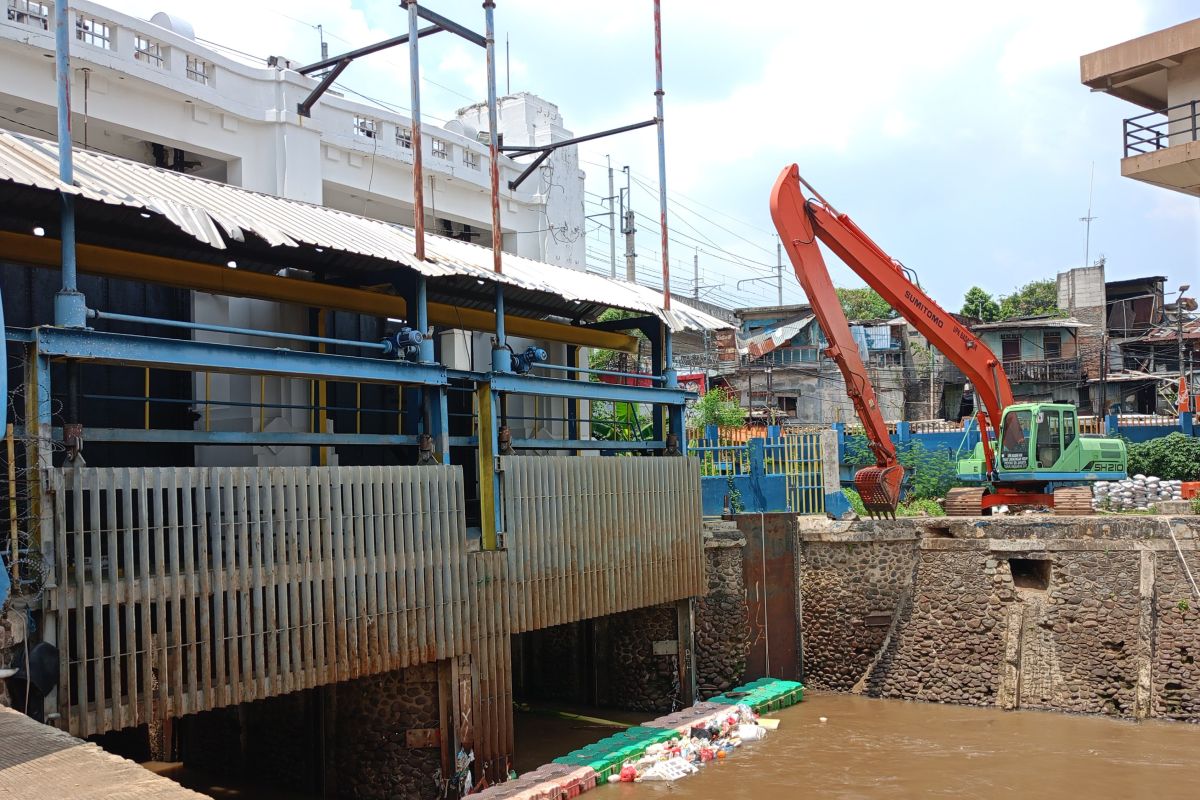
[1087,237]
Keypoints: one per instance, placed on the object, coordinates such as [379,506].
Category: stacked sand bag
[1138,493]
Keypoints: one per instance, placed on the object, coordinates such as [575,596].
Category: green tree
[978,303]
[615,360]
[864,303]
[718,406]
[1035,297]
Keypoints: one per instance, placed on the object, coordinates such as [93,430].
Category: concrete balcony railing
[1163,147]
[1161,129]
[1050,369]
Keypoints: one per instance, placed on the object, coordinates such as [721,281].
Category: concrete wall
[954,611]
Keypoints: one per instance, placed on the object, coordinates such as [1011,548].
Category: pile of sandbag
[1138,493]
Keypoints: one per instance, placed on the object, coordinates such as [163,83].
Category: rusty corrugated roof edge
[211,212]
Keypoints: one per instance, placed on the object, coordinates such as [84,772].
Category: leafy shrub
[718,406]
[917,507]
[1174,457]
[929,473]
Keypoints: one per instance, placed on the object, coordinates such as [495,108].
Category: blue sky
[958,136]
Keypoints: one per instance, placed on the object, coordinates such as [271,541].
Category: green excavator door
[1039,437]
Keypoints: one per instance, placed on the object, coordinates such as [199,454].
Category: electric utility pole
[612,223]
[779,269]
[630,231]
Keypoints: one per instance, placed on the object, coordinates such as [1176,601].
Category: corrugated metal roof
[212,212]
[1035,322]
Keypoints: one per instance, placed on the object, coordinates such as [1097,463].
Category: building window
[199,70]
[1010,346]
[147,50]
[365,126]
[1052,344]
[29,12]
[94,32]
[470,158]
[404,138]
[441,148]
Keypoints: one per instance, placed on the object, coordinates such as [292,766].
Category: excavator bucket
[879,488]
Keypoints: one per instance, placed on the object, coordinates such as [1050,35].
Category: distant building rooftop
[1041,321]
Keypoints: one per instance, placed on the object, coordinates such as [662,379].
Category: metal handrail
[1143,138]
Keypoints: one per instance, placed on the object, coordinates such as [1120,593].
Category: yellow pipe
[146,404]
[487,468]
[113,263]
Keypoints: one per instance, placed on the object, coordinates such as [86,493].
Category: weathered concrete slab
[38,762]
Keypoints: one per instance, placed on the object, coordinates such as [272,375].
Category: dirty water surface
[872,748]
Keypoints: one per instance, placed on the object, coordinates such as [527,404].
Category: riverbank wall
[1080,614]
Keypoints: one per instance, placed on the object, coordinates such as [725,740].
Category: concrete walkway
[38,762]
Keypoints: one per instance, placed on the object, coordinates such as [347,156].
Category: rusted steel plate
[187,589]
[588,537]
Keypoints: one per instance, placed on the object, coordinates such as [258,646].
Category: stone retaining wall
[1086,614]
[721,627]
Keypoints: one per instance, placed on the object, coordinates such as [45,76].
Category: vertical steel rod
[662,153]
[69,306]
[489,7]
[612,223]
[414,75]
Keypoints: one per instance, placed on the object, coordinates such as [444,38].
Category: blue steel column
[70,307]
[501,357]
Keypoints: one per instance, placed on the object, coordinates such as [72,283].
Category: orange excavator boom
[878,486]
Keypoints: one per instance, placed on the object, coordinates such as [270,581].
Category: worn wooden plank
[146,639]
[266,574]
[373,523]
[391,589]
[304,484]
[173,636]
[241,626]
[224,648]
[91,490]
[203,591]
[127,576]
[342,620]
[284,500]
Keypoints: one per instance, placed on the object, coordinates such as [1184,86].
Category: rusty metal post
[662,153]
[414,75]
[489,7]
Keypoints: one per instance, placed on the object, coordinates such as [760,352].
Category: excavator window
[1049,438]
[1014,444]
[1070,428]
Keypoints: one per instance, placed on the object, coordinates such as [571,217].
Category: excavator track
[1073,501]
[964,502]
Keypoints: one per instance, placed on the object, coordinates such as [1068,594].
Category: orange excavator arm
[801,223]
[879,486]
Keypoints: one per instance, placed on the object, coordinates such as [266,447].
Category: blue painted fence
[778,472]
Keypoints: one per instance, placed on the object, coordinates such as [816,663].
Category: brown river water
[884,749]
[894,749]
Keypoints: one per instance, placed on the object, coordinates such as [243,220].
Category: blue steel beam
[582,444]
[184,354]
[585,390]
[280,438]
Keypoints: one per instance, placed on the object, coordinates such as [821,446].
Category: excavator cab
[1041,442]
